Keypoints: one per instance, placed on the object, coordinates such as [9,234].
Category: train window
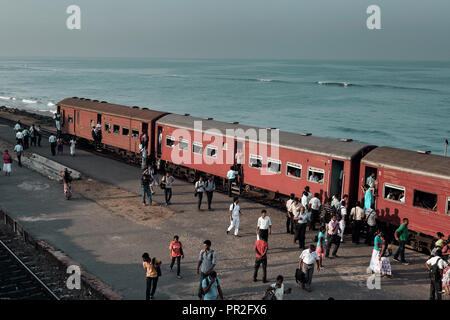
[135,133]
[108,127]
[448,206]
[294,170]
[116,128]
[255,161]
[316,175]
[78,117]
[125,131]
[183,144]
[70,119]
[211,151]
[425,200]
[92,124]
[170,141]
[273,165]
[394,193]
[197,148]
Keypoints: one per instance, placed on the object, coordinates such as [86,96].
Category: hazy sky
[322,29]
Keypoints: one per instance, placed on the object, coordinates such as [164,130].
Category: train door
[239,160]
[74,121]
[159,141]
[337,177]
[370,178]
[99,118]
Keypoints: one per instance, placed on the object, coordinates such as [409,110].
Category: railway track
[17,280]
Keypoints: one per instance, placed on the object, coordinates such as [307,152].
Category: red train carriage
[121,125]
[287,166]
[424,181]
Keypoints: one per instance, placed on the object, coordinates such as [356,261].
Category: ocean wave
[331,83]
[50,104]
[6,98]
[388,86]
[28,101]
[252,79]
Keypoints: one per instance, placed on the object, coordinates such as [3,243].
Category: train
[275,163]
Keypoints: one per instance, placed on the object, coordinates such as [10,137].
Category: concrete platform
[110,246]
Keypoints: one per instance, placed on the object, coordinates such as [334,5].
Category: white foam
[50,104]
[28,101]
[265,80]
[5,98]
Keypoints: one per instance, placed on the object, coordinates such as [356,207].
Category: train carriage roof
[112,109]
[311,144]
[409,161]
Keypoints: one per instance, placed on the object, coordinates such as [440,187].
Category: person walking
[320,250]
[199,188]
[19,137]
[234,212]
[314,204]
[19,149]
[151,171]
[26,138]
[278,288]
[342,219]
[264,226]
[371,220]
[333,237]
[384,264]
[33,135]
[72,142]
[307,259]
[210,187]
[52,140]
[166,184]
[401,235]
[289,215]
[211,287]
[436,266]
[17,127]
[39,135]
[176,252]
[356,217]
[376,253]
[7,160]
[301,218]
[261,248]
[231,176]
[206,264]
[146,180]
[152,273]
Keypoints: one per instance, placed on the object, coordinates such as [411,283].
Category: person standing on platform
[261,248]
[26,138]
[17,127]
[307,259]
[231,176]
[60,146]
[320,250]
[199,188]
[207,261]
[52,140]
[315,204]
[264,226]
[401,235]
[371,220]
[176,252]
[39,135]
[19,137]
[151,267]
[295,208]
[234,212]
[7,160]
[436,266]
[210,187]
[289,215]
[239,159]
[145,182]
[72,142]
[167,182]
[325,212]
[333,237]
[357,218]
[33,135]
[144,156]
[342,218]
[19,149]
[300,231]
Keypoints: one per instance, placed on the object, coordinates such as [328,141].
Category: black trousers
[290,224]
[314,219]
[53,148]
[356,230]
[39,140]
[168,194]
[300,231]
[435,289]
[178,259]
[370,235]
[263,234]
[26,142]
[332,239]
[33,141]
[200,198]
[209,195]
[151,287]
[19,158]
[230,182]
[259,262]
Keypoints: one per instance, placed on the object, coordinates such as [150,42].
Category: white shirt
[19,135]
[279,293]
[402,199]
[441,264]
[239,158]
[235,210]
[18,148]
[313,178]
[309,257]
[52,139]
[289,204]
[315,203]
[305,201]
[199,186]
[343,212]
[17,127]
[265,223]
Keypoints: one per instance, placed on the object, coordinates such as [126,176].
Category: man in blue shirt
[211,287]
[231,176]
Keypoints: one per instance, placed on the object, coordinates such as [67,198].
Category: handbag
[269,295]
[300,276]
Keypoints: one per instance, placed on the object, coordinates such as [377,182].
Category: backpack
[435,272]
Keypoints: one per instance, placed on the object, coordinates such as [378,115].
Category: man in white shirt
[301,218]
[315,205]
[264,226]
[210,187]
[289,215]
[239,159]
[357,216]
[231,176]
[167,181]
[19,137]
[306,264]
[19,149]
[18,126]
[52,140]
[234,211]
[343,214]
[199,188]
[313,177]
[436,266]
[278,288]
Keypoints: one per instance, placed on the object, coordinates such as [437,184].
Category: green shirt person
[401,235]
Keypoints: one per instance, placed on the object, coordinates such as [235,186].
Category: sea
[401,104]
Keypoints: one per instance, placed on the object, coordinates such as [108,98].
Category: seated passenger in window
[418,203]
[313,177]
[391,196]
[401,198]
